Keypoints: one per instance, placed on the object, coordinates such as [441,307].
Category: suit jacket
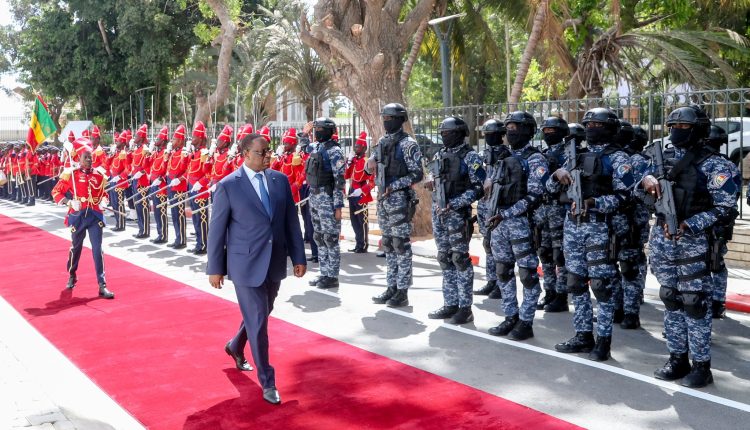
[243,241]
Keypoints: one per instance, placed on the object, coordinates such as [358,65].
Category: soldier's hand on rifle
[156,182]
[563,176]
[137,175]
[74,204]
[443,211]
[103,203]
[385,192]
[337,214]
[197,187]
[494,221]
[680,231]
[589,203]
[356,193]
[175,182]
[487,189]
[651,186]
[429,185]
[371,166]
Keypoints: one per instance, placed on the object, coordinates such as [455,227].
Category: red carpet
[157,349]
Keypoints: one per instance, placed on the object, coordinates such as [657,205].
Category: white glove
[197,187]
[350,157]
[280,150]
[75,205]
[356,193]
[232,151]
[156,182]
[103,203]
[204,151]
[137,175]
[175,182]
[213,188]
[101,170]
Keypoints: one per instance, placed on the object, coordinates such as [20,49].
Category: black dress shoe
[105,293]
[140,236]
[199,251]
[239,359]
[158,241]
[71,282]
[179,246]
[118,229]
[313,259]
[271,395]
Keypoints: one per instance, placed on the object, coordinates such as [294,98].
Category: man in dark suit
[254,227]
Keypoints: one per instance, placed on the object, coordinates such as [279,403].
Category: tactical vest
[318,168]
[455,172]
[513,176]
[555,157]
[689,185]
[596,172]
[393,158]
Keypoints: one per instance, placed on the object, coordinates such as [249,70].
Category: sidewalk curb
[738,302]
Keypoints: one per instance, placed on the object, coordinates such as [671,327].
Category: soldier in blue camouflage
[704,195]
[325,175]
[396,163]
[723,230]
[548,222]
[457,179]
[516,189]
[493,131]
[605,181]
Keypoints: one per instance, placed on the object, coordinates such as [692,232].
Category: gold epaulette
[296,159]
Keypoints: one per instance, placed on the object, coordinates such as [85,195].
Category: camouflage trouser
[327,230]
[586,258]
[511,244]
[686,287]
[632,269]
[452,239]
[395,225]
[720,278]
[549,220]
[483,211]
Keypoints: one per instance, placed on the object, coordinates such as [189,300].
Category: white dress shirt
[254,180]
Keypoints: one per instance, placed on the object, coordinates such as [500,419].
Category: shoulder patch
[476,166]
[340,164]
[624,169]
[719,179]
[540,171]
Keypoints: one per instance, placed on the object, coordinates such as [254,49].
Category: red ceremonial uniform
[85,186]
[99,160]
[141,163]
[119,167]
[159,170]
[360,179]
[198,169]
[292,166]
[221,166]
[176,168]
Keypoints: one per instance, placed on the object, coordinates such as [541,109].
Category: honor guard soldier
[694,191]
[158,178]
[362,184]
[516,190]
[325,175]
[178,186]
[397,164]
[494,151]
[599,182]
[99,156]
[220,160]
[457,179]
[30,169]
[119,167]
[723,230]
[198,170]
[83,191]
[548,222]
[290,163]
[139,170]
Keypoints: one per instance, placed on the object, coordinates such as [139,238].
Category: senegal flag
[41,126]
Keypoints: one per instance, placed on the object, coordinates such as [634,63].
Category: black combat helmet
[693,115]
[524,119]
[454,123]
[556,123]
[396,110]
[493,126]
[604,116]
[625,135]
[640,138]
[577,131]
[325,123]
[717,136]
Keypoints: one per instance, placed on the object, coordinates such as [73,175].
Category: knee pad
[318,237]
[602,289]
[504,271]
[695,304]
[401,245]
[330,239]
[462,260]
[671,298]
[529,277]
[558,257]
[629,270]
[486,243]
[387,243]
[545,255]
[576,284]
[444,258]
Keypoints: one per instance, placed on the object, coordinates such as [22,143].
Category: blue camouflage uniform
[452,229]
[722,233]
[587,244]
[327,195]
[483,214]
[680,265]
[512,239]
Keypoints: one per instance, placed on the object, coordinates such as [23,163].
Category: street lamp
[445,50]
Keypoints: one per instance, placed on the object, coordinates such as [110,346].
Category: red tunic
[360,179]
[199,169]
[119,167]
[141,163]
[176,169]
[290,164]
[221,166]
[159,163]
[86,187]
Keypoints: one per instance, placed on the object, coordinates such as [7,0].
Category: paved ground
[617,394]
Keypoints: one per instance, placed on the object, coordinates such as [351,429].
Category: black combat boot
[385,296]
[699,376]
[71,282]
[487,289]
[549,297]
[443,312]
[400,299]
[505,327]
[497,293]
[601,349]
[630,322]
[676,367]
[618,316]
[582,342]
[463,316]
[558,304]
[327,282]
[522,331]
[314,281]
[718,309]
[105,293]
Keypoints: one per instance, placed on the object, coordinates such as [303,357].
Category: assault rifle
[665,205]
[575,194]
[435,167]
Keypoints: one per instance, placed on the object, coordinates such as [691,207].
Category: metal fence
[13,128]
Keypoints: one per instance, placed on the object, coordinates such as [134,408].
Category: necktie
[264,194]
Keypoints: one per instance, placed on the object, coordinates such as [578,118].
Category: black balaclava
[393,125]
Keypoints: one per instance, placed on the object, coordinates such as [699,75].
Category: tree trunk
[528,52]
[412,59]
[206,104]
